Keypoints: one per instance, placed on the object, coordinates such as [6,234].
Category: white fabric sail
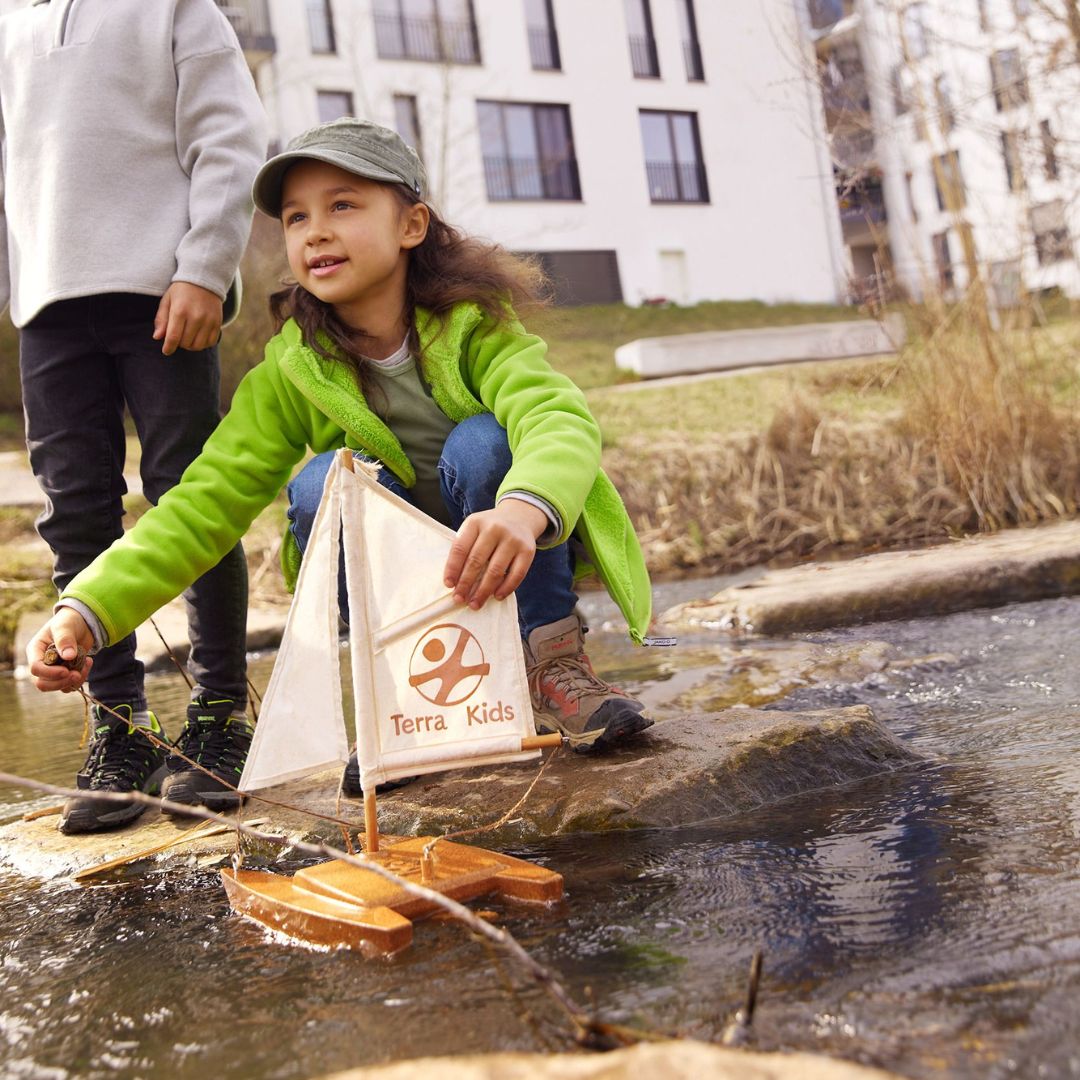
[436,685]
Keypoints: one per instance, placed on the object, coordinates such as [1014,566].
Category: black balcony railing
[531,178]
[672,182]
[454,41]
[643,57]
[862,207]
[544,49]
[695,68]
[251,21]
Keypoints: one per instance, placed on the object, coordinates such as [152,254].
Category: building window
[1007,283]
[439,30]
[673,161]
[947,171]
[1051,232]
[407,121]
[824,13]
[543,40]
[581,277]
[644,58]
[918,41]
[943,260]
[1014,167]
[909,178]
[1008,79]
[334,104]
[899,91]
[528,151]
[321,26]
[1049,150]
[695,68]
[943,97]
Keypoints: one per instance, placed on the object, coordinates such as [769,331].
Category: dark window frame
[323,8]
[943,260]
[501,171]
[544,53]
[950,165]
[410,101]
[658,179]
[1012,92]
[1051,167]
[644,56]
[692,58]
[426,39]
[347,94]
[1013,159]
[1052,245]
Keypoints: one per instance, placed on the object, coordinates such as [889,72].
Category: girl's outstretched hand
[66,634]
[493,551]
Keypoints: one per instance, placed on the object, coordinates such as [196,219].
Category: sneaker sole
[184,790]
[620,728]
[88,819]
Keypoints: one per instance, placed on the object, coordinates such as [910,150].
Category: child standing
[399,341]
[131,132]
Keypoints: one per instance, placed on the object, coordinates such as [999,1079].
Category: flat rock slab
[683,770]
[984,571]
[680,1059]
[719,350]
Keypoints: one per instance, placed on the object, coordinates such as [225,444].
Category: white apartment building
[644,149]
[977,96]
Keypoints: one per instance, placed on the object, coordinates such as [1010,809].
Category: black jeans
[81,362]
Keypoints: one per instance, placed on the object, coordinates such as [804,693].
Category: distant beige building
[975,95]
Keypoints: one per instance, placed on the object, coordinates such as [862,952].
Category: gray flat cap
[360,147]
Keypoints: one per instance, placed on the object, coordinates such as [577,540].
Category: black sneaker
[350,781]
[219,742]
[121,758]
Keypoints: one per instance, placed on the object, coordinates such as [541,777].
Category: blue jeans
[81,362]
[475,458]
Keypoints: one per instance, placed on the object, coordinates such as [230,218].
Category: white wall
[771,228]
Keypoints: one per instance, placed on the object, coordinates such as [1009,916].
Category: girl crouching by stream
[399,341]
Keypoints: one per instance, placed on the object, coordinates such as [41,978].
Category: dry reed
[977,443]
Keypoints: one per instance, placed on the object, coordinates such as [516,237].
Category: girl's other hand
[493,551]
[68,632]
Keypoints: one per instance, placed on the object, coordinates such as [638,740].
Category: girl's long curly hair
[446,269]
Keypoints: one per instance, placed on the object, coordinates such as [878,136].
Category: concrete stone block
[688,354]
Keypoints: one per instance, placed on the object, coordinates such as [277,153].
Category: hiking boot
[350,781]
[567,696]
[121,758]
[218,741]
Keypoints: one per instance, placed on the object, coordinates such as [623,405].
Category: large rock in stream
[685,769]
[676,1060]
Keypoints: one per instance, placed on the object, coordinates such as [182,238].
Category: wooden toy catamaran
[436,686]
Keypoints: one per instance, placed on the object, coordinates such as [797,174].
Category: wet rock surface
[685,769]
[681,1060]
[985,571]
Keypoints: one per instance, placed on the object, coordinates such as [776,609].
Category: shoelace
[567,673]
[119,755]
[215,743]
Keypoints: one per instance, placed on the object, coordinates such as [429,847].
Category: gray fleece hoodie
[130,133]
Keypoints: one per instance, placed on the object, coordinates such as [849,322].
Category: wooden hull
[340,905]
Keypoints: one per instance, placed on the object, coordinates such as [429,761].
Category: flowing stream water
[927,921]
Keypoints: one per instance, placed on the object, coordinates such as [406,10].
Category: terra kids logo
[447,665]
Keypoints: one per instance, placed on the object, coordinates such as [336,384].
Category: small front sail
[436,685]
[301,728]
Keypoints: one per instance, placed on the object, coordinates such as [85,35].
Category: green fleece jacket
[296,399]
